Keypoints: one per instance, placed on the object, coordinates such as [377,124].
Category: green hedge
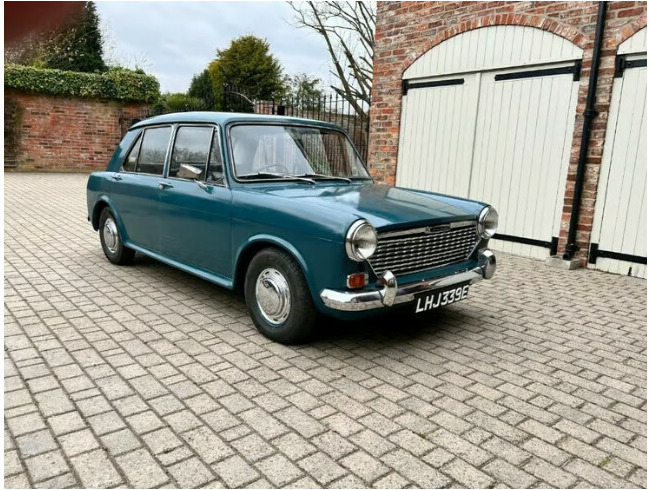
[116,83]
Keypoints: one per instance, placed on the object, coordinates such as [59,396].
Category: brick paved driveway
[144,376]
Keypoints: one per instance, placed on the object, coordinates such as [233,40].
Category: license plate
[441,297]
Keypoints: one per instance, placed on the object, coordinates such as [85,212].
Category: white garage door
[620,222]
[495,125]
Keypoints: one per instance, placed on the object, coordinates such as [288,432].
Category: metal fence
[329,108]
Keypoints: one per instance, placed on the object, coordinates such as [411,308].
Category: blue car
[284,210]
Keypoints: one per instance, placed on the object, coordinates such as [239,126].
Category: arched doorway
[489,115]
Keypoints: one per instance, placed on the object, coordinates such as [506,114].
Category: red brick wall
[68,134]
[406,30]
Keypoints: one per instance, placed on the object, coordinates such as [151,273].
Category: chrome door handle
[164,185]
[202,185]
[116,177]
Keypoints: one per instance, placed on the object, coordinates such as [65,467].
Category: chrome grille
[418,249]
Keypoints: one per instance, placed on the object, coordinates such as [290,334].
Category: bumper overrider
[393,294]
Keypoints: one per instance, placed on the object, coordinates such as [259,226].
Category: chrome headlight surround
[488,221]
[361,240]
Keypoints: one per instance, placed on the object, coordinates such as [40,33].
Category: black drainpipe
[588,116]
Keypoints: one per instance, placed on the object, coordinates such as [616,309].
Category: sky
[176,40]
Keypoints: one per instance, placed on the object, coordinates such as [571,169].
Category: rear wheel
[112,244]
[278,298]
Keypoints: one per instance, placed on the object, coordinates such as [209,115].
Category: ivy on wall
[116,83]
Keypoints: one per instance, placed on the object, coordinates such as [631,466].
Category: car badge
[429,230]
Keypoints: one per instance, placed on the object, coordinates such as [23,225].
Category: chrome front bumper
[392,294]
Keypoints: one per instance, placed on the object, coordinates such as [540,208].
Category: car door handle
[164,185]
[116,177]
[202,185]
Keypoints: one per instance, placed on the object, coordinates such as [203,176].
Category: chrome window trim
[141,135]
[215,130]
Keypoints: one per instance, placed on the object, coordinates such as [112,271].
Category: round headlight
[488,221]
[361,240]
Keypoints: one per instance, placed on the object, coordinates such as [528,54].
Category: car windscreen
[285,151]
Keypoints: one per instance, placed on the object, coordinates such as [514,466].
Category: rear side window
[153,150]
[132,159]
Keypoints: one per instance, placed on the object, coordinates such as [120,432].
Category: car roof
[223,118]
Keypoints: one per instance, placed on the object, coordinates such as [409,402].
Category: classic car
[285,210]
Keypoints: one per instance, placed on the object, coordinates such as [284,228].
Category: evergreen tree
[201,88]
[246,67]
[78,46]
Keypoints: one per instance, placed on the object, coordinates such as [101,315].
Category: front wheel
[112,244]
[278,298]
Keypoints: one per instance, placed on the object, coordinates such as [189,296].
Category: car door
[135,188]
[195,204]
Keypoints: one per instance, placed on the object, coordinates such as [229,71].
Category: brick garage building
[465,92]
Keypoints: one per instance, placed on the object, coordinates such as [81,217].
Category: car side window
[153,151]
[131,160]
[215,165]
[190,153]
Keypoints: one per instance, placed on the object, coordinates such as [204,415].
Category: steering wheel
[276,166]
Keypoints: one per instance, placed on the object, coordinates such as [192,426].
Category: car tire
[112,244]
[278,297]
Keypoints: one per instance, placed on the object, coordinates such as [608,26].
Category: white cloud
[176,40]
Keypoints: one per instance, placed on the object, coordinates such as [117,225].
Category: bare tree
[348,30]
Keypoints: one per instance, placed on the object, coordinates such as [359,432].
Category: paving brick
[294,446]
[322,468]
[35,443]
[191,473]
[279,470]
[506,451]
[25,423]
[161,441]
[593,474]
[207,445]
[333,445]
[466,474]
[66,480]
[141,469]
[542,431]
[392,480]
[68,422]
[414,469]
[95,470]
[235,472]
[410,441]
[78,442]
[549,473]
[509,474]
[105,423]
[12,463]
[634,456]
[17,481]
[120,442]
[459,446]
[46,466]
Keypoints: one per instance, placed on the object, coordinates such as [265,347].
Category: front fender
[259,239]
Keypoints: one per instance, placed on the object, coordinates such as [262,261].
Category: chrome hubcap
[111,238]
[273,296]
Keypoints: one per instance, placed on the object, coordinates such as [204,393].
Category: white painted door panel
[620,223]
[436,137]
[523,136]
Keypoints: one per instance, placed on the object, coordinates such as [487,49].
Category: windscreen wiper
[324,177]
[273,175]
